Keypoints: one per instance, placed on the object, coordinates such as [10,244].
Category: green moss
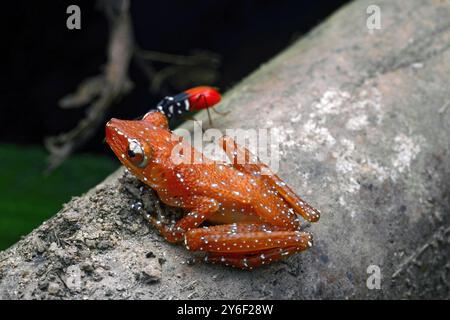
[28,196]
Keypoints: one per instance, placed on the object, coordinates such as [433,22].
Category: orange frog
[236,214]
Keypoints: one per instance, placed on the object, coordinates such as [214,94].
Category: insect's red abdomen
[202,98]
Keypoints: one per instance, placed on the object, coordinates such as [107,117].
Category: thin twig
[101,92]
[441,232]
[197,58]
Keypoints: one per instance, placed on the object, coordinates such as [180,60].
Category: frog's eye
[136,153]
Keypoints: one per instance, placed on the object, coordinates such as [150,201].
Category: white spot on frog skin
[407,149]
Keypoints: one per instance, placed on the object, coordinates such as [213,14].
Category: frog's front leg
[200,209]
[246,245]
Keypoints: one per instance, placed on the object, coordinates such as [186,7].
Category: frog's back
[219,181]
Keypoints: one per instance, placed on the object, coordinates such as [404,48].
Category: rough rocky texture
[363,121]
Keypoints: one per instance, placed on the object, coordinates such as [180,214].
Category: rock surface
[363,123]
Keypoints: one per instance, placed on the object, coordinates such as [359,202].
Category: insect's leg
[243,160]
[222,113]
[202,208]
[209,117]
[207,107]
[246,245]
[202,98]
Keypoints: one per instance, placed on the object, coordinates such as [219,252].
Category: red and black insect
[191,100]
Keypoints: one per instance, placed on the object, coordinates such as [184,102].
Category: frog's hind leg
[243,160]
[202,208]
[251,261]
[246,245]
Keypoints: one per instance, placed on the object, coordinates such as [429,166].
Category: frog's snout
[115,138]
[109,131]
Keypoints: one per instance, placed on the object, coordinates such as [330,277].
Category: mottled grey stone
[363,122]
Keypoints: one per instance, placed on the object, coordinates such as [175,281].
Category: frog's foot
[203,208]
[246,246]
[244,161]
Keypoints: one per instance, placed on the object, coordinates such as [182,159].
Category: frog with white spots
[237,213]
